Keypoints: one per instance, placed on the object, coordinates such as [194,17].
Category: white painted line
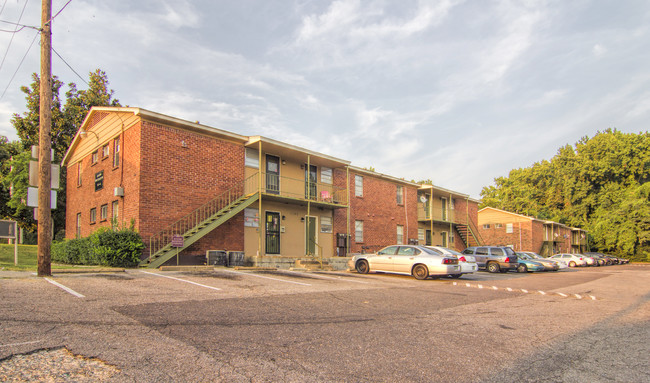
[20,344]
[454,283]
[508,288]
[182,280]
[265,277]
[525,291]
[578,296]
[480,286]
[541,292]
[562,295]
[325,277]
[468,285]
[593,298]
[495,288]
[66,289]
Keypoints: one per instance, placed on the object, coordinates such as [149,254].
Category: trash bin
[217,257]
[235,258]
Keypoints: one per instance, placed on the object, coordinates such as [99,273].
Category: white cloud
[599,50]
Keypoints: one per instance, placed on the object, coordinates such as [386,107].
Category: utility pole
[45,144]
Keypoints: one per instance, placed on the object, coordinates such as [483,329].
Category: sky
[458,92]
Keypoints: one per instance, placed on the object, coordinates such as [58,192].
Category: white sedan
[571,260]
[467,262]
[419,261]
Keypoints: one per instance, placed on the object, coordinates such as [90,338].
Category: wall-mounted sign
[99,180]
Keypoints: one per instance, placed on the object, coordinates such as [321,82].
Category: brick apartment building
[522,233]
[224,191]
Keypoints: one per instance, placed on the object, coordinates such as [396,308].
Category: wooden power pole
[45,144]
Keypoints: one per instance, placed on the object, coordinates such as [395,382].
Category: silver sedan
[419,261]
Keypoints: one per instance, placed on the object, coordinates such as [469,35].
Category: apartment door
[443,202]
[310,235]
[443,236]
[310,181]
[272,174]
[272,223]
[428,237]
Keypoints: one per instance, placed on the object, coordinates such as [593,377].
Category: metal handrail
[301,189]
[474,229]
[163,238]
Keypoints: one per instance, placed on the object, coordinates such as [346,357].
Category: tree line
[600,184]
[67,116]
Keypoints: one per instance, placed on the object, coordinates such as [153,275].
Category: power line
[12,36]
[19,65]
[72,69]
[60,10]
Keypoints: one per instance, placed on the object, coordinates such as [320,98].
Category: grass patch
[27,258]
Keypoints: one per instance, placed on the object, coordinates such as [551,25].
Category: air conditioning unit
[118,192]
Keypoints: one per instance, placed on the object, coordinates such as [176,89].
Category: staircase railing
[163,238]
[474,231]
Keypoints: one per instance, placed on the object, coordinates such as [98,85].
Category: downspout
[259,200]
[520,246]
[347,229]
[451,225]
[308,173]
[406,213]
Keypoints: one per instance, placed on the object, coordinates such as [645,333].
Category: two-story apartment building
[199,188]
[524,233]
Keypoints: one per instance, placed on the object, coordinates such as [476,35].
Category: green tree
[66,120]
[599,184]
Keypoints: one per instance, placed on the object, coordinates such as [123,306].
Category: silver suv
[494,258]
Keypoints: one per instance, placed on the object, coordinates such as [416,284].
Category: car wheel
[522,268]
[455,275]
[420,272]
[572,264]
[493,267]
[362,267]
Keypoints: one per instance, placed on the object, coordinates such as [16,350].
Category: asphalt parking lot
[222,324]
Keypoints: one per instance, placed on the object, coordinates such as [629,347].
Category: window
[251,217]
[106,150]
[78,225]
[115,212]
[509,228]
[497,251]
[326,175]
[390,250]
[486,226]
[400,195]
[93,215]
[325,224]
[498,225]
[358,231]
[400,234]
[482,251]
[79,174]
[421,237]
[252,158]
[116,152]
[452,204]
[103,212]
[358,186]
[95,157]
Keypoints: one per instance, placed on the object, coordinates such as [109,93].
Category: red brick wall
[380,213]
[177,178]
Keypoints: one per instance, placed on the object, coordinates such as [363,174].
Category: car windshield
[509,251]
[429,251]
[524,256]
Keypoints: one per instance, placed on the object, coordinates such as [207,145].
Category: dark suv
[494,258]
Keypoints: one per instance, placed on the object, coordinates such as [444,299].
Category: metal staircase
[200,222]
[469,234]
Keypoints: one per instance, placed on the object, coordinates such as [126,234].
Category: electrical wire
[60,10]
[13,35]
[19,65]
[72,69]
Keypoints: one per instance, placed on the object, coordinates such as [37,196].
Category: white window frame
[358,231]
[509,228]
[251,217]
[93,215]
[358,185]
[326,175]
[421,236]
[325,224]
[400,194]
[400,234]
[103,212]
[252,159]
[116,152]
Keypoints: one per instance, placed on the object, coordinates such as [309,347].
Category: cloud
[599,50]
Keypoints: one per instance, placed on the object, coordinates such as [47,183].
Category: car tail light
[581,259]
[462,259]
[450,261]
[507,260]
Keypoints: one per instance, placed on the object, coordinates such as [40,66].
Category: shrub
[106,247]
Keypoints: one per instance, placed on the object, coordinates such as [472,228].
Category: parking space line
[325,277]
[64,288]
[265,277]
[480,286]
[182,280]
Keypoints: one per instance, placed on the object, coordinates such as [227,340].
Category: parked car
[609,259]
[467,262]
[494,258]
[419,261]
[561,265]
[601,259]
[549,265]
[571,260]
[527,264]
